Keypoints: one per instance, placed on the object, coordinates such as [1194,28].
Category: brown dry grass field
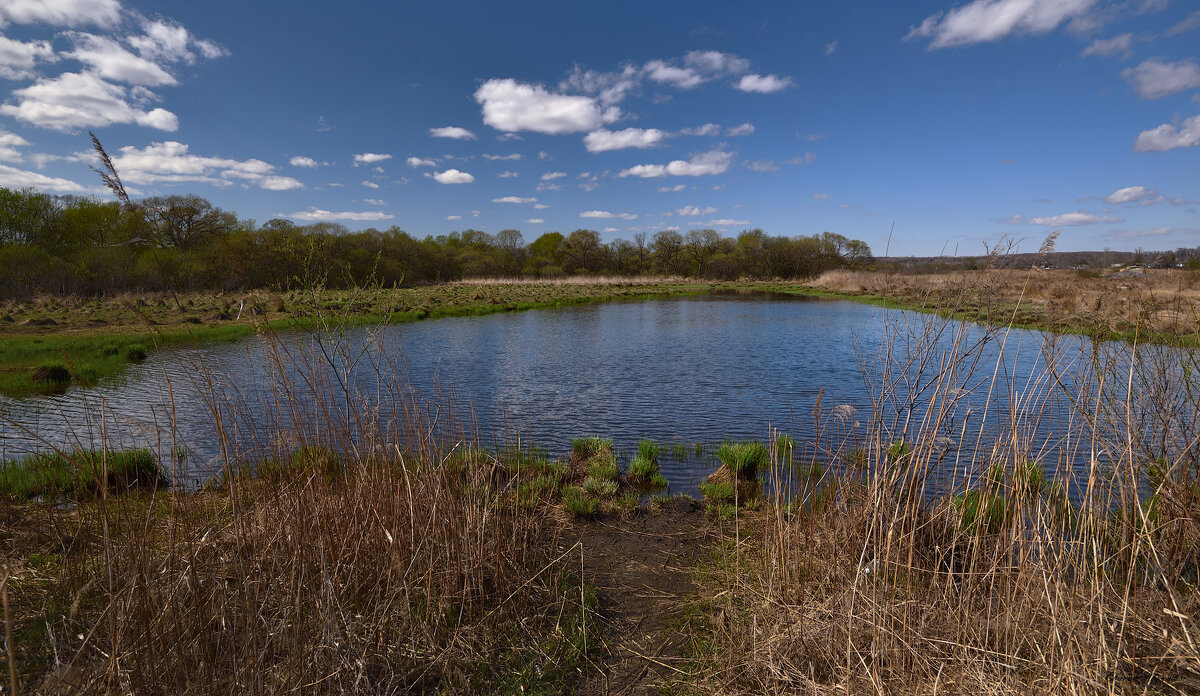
[1116,302]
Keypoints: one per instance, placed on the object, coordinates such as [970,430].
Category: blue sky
[961,123]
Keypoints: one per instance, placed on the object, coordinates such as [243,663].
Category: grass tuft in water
[52,475]
[744,459]
[588,447]
[648,450]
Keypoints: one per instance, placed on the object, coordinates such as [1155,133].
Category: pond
[681,372]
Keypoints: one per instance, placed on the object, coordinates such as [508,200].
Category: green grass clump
[814,471]
[898,450]
[579,503]
[743,458]
[87,358]
[641,467]
[679,450]
[588,447]
[1029,478]
[604,467]
[321,459]
[600,487]
[981,510]
[784,446]
[648,450]
[627,503]
[53,474]
[718,492]
[544,487]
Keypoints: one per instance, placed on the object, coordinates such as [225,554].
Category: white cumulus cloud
[76,100]
[415,162]
[1153,79]
[370,158]
[606,140]
[453,132]
[514,199]
[273,182]
[9,142]
[991,20]
[706,129]
[452,176]
[170,162]
[550,176]
[1169,136]
[606,215]
[511,106]
[112,61]
[63,13]
[763,84]
[696,68]
[703,164]
[1131,194]
[744,129]
[508,174]
[535,221]
[695,211]
[301,161]
[18,58]
[13,178]
[166,40]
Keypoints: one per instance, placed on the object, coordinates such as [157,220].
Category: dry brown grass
[1166,301]
[881,578]
[583,280]
[333,554]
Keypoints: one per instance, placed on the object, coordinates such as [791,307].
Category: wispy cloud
[321,215]
[1075,219]
[1154,79]
[991,20]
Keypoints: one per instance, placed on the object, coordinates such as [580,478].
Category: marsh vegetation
[888,548]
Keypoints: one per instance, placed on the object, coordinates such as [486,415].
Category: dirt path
[642,566]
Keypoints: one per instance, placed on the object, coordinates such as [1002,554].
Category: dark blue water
[678,371]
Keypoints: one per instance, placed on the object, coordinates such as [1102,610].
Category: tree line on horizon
[62,244]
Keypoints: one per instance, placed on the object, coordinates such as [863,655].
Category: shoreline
[49,333]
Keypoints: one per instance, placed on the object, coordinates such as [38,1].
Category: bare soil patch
[643,567]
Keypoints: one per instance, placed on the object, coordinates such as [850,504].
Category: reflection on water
[676,371]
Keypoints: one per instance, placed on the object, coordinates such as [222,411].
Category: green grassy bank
[46,346]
